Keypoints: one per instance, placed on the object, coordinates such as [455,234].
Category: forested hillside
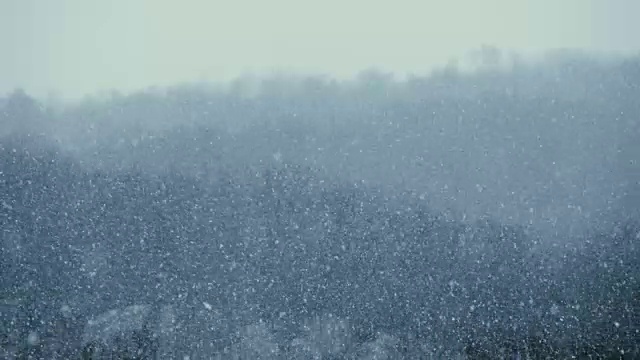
[491,214]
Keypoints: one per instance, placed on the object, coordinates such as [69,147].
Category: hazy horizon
[73,48]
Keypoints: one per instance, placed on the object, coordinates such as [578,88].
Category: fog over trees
[475,214]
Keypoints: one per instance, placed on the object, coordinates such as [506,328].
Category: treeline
[552,144]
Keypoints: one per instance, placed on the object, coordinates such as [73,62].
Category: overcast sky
[76,47]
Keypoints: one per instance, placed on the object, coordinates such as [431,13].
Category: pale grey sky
[82,46]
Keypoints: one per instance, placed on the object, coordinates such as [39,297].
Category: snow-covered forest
[485,214]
